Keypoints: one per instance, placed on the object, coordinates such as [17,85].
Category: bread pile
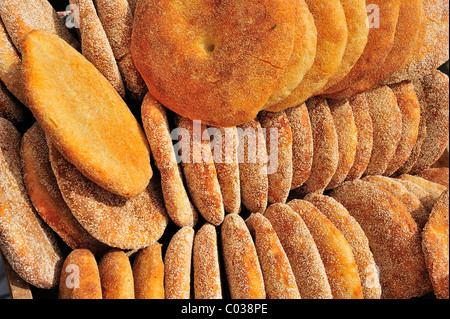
[307,175]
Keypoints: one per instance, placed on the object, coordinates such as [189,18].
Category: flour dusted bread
[438,175]
[393,237]
[27,243]
[76,120]
[435,246]
[45,195]
[120,222]
[10,108]
[80,278]
[218,62]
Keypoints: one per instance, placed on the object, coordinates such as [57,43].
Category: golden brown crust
[245,278]
[10,65]
[406,35]
[437,175]
[349,227]
[176,199]
[75,120]
[21,17]
[10,108]
[116,275]
[347,133]
[148,273]
[393,236]
[279,151]
[177,265]
[200,172]
[387,128]
[207,282]
[326,148]
[301,250]
[116,18]
[213,61]
[253,167]
[121,222]
[379,44]
[409,106]
[303,55]
[279,278]
[302,144]
[433,190]
[358,33]
[80,278]
[225,152]
[95,45]
[332,34]
[435,247]
[412,203]
[335,251]
[27,243]
[45,195]
[364,125]
[436,95]
[432,51]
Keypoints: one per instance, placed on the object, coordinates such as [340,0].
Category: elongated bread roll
[116,275]
[148,273]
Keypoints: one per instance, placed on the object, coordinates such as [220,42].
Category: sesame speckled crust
[26,242]
[393,236]
[435,246]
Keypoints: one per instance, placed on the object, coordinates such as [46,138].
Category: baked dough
[217,62]
[148,273]
[116,275]
[76,119]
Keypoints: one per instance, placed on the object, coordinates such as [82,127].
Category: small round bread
[433,190]
[326,147]
[335,251]
[245,278]
[217,62]
[299,245]
[303,55]
[27,243]
[279,150]
[387,128]
[10,108]
[116,275]
[436,90]
[76,120]
[45,195]
[358,33]
[332,35]
[347,133]
[199,170]
[435,247]
[176,199]
[148,273]
[409,106]
[177,264]
[117,21]
[278,276]
[421,134]
[302,144]
[433,50]
[253,167]
[364,126]
[95,44]
[412,203]
[10,66]
[80,278]
[225,149]
[207,280]
[383,17]
[393,236]
[21,17]
[406,35]
[438,175]
[121,222]
[349,227]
